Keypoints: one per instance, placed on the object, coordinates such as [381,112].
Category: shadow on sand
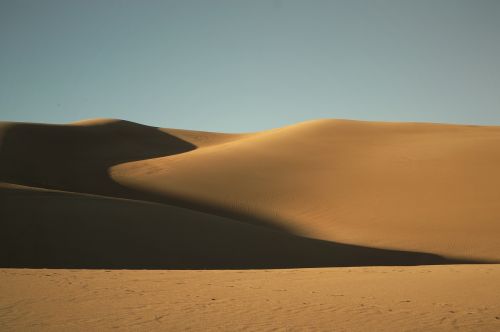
[77,158]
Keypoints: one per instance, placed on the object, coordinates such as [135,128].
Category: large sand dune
[319,193]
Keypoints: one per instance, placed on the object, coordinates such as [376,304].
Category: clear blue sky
[249,65]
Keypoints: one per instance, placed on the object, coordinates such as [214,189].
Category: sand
[331,201]
[422,298]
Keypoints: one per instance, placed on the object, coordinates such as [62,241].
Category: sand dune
[427,190]
[420,187]
[54,229]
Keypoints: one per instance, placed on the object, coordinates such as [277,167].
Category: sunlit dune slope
[424,188]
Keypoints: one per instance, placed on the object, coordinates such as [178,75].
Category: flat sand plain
[419,298]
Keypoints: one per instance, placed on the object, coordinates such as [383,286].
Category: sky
[238,66]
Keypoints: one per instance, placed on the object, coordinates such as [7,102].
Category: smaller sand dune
[45,228]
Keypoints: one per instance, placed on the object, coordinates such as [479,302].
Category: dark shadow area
[77,158]
[43,229]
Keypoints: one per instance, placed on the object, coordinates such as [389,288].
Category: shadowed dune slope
[44,228]
[320,193]
[77,157]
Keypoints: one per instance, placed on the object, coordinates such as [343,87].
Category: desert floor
[421,298]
